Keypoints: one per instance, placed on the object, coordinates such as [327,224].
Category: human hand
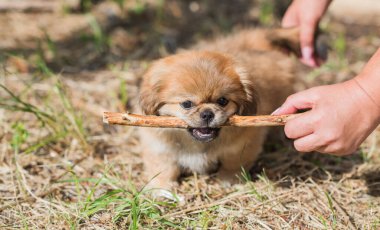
[341,116]
[306,14]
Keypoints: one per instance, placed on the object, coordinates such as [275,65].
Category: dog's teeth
[204,134]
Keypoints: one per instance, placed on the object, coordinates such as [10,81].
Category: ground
[61,168]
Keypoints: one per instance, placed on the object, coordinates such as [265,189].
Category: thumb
[294,103]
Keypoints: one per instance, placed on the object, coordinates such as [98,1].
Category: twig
[174,122]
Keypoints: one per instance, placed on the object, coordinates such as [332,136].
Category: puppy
[248,73]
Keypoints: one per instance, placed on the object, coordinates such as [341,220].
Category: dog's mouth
[204,134]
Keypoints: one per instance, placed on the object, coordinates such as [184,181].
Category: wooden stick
[130,119]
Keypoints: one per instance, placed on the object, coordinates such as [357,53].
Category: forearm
[369,79]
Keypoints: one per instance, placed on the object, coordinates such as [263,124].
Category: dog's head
[202,88]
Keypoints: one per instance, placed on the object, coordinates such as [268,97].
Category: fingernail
[274,112]
[307,56]
[307,53]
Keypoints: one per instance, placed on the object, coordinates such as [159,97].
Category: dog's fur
[250,69]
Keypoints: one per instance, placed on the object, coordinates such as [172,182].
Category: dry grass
[61,168]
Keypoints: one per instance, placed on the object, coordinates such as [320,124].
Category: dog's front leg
[230,171]
[161,170]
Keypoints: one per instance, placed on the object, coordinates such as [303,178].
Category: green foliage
[245,175]
[45,47]
[15,103]
[58,123]
[340,45]
[20,134]
[85,5]
[324,222]
[123,91]
[266,12]
[332,209]
[50,44]
[375,224]
[70,115]
[128,205]
[248,179]
[139,7]
[42,67]
[120,3]
[100,39]
[364,156]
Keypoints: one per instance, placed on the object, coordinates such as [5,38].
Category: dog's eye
[187,104]
[222,101]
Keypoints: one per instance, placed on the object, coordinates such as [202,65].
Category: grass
[266,13]
[61,168]
[60,123]
[332,216]
[131,207]
[96,35]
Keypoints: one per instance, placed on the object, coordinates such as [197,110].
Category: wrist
[368,80]
[369,88]
[365,102]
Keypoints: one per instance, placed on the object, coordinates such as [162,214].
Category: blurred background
[64,62]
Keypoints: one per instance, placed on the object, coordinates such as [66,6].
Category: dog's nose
[207,115]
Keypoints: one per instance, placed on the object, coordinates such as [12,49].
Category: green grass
[139,7]
[266,13]
[86,5]
[375,224]
[16,103]
[333,215]
[40,64]
[100,39]
[131,208]
[123,89]
[120,3]
[340,46]
[59,121]
[71,116]
[248,180]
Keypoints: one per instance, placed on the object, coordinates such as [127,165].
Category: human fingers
[295,102]
[307,143]
[337,148]
[290,18]
[299,126]
[307,31]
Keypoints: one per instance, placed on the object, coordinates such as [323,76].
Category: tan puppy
[243,74]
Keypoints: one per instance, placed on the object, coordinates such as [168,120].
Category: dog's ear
[250,102]
[150,93]
[286,40]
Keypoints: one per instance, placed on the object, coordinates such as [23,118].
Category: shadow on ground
[140,33]
[281,162]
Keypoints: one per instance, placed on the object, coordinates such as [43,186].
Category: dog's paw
[227,179]
[165,194]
